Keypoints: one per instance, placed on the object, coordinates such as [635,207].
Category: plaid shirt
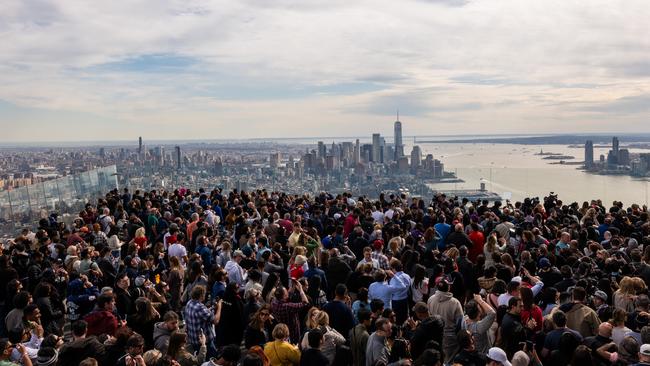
[382,259]
[198,317]
[288,313]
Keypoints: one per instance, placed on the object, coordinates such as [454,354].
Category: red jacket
[349,224]
[101,322]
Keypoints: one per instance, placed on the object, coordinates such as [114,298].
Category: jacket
[161,337]
[281,353]
[449,308]
[101,322]
[358,342]
[583,319]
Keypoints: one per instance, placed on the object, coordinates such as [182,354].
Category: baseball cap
[498,355]
[420,307]
[544,263]
[645,350]
[140,280]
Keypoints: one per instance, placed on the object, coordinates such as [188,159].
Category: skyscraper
[179,163]
[416,157]
[615,147]
[356,157]
[376,148]
[140,145]
[399,146]
[322,150]
[589,154]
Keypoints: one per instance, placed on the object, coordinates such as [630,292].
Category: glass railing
[25,206]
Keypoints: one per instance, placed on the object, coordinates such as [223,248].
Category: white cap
[498,355]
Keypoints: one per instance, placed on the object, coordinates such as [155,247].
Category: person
[230,355]
[552,339]
[444,304]
[644,355]
[425,329]
[82,346]
[331,338]
[512,331]
[280,351]
[287,312]
[401,282]
[235,271]
[177,349]
[594,343]
[339,310]
[6,347]
[135,349]
[382,290]
[359,338]
[163,330]
[258,331]
[199,319]
[497,357]
[581,317]
[376,349]
[313,356]
[478,326]
[468,354]
[103,321]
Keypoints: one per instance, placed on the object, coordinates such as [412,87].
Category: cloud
[328,64]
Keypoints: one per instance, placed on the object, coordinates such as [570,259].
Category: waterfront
[515,170]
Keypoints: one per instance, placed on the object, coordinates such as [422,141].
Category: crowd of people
[265,278]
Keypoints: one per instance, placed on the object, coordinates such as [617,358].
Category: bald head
[605,329]
[458,227]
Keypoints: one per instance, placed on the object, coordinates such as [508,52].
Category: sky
[79,70]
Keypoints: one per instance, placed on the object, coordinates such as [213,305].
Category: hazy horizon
[83,71]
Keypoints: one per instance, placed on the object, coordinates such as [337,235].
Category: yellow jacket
[281,353]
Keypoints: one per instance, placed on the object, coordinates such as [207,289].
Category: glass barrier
[24,206]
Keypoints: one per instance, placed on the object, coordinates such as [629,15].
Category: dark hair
[341,289]
[363,315]
[471,309]
[376,305]
[579,293]
[79,328]
[314,338]
[104,299]
[513,302]
[21,299]
[559,318]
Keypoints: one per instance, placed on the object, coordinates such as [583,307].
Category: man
[350,222]
[513,287]
[359,338]
[235,272]
[367,258]
[340,313]
[177,249]
[379,256]
[604,337]
[444,304]
[552,340]
[468,355]
[644,355]
[163,330]
[443,229]
[81,347]
[123,300]
[292,241]
[380,289]
[376,349]
[102,320]
[497,357]
[459,238]
[581,317]
[512,331]
[603,310]
[401,282]
[475,325]
[200,320]
[313,356]
[424,329]
[134,351]
[229,356]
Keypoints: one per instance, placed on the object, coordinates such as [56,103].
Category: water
[515,170]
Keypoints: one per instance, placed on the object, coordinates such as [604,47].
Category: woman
[530,310]
[280,352]
[140,240]
[362,302]
[144,319]
[50,316]
[175,282]
[230,329]
[258,332]
[491,247]
[625,295]
[177,350]
[331,338]
[619,317]
[419,284]
[196,277]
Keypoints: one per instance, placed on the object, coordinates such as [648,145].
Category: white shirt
[178,250]
[235,273]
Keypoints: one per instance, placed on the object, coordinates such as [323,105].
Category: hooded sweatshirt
[161,337]
[449,308]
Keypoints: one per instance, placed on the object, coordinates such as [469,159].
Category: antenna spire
[398,114]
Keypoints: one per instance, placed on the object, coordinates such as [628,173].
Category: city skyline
[72,71]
